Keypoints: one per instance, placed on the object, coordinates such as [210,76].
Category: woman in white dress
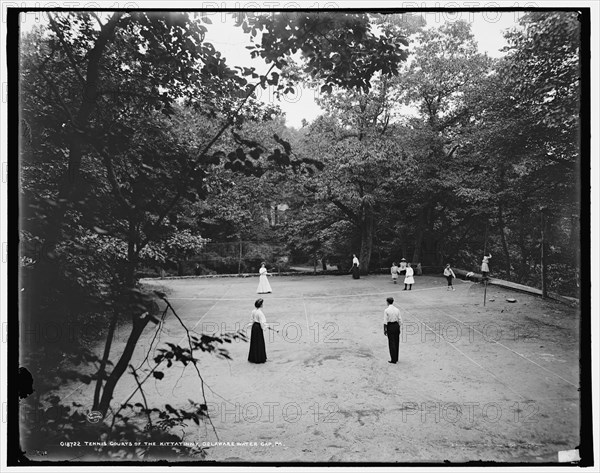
[485,269]
[263,283]
[394,270]
[409,280]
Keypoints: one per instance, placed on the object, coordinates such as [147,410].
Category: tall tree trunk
[366,240]
[524,266]
[404,246]
[136,331]
[418,243]
[273,214]
[79,125]
[105,356]
[132,251]
[544,255]
[431,257]
[503,240]
[575,247]
[47,269]
[421,224]
[459,243]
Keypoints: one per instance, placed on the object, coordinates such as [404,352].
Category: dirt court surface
[494,383]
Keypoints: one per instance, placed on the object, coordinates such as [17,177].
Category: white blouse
[258,316]
[449,272]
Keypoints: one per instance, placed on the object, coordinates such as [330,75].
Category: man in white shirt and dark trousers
[392,321]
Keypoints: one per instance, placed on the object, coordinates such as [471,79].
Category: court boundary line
[541,401]
[511,350]
[305,313]
[468,357]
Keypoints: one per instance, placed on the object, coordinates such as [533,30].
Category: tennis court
[493,383]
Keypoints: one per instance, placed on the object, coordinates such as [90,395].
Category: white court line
[511,350]
[305,313]
[492,374]
[206,313]
[469,358]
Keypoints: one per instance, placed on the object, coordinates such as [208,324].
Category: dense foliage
[489,150]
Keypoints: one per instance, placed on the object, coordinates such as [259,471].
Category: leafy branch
[175,353]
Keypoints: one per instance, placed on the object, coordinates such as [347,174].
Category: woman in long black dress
[355,268]
[258,353]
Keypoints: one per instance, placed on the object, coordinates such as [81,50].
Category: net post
[484,290]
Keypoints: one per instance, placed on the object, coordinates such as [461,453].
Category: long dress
[263,283]
[258,352]
[484,265]
[408,279]
[355,271]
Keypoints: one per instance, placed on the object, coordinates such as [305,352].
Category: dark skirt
[258,353]
[355,272]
